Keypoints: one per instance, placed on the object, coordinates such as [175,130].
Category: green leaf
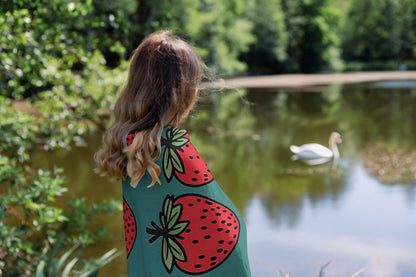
[176,212]
[169,133]
[40,268]
[167,255]
[68,267]
[178,228]
[176,161]
[177,250]
[163,221]
[167,164]
[62,259]
[177,133]
[167,207]
[180,142]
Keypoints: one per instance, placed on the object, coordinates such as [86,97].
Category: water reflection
[299,217]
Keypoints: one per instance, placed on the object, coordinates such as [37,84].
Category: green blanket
[186,226]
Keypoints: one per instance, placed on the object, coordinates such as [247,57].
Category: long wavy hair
[161,89]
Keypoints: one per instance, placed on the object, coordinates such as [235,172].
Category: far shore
[311,80]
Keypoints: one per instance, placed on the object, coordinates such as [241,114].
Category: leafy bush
[32,222]
[33,55]
[35,225]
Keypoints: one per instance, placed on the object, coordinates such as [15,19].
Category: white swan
[314,153]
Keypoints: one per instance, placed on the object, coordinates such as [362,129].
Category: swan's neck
[334,148]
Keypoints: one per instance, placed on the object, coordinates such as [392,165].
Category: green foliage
[29,46]
[50,267]
[34,214]
[311,26]
[217,29]
[32,220]
[380,30]
[223,34]
[269,50]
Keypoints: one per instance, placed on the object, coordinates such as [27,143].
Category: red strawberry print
[181,159]
[198,233]
[130,138]
[130,228]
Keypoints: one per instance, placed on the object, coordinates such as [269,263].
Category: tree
[267,53]
[379,30]
[311,26]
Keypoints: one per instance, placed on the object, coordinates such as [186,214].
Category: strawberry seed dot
[203,217]
[198,266]
[201,257]
[195,241]
[226,251]
[221,242]
[213,263]
[219,250]
[220,229]
[204,227]
[213,258]
[194,179]
[196,171]
[207,237]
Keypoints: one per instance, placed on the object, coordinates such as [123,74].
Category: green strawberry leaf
[178,228]
[176,212]
[167,255]
[177,133]
[169,133]
[180,142]
[167,165]
[177,250]
[167,208]
[176,161]
[162,221]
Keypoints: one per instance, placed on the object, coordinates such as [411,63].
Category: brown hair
[161,89]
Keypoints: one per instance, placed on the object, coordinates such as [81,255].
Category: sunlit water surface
[302,220]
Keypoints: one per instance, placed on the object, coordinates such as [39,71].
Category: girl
[185,225]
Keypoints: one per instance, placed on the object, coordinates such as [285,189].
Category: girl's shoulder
[169,135]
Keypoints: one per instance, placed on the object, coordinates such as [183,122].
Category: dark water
[301,219]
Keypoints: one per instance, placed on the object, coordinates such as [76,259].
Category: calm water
[301,219]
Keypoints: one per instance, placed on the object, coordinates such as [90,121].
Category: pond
[302,220]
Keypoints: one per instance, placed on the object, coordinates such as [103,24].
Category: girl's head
[162,83]
[161,89]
